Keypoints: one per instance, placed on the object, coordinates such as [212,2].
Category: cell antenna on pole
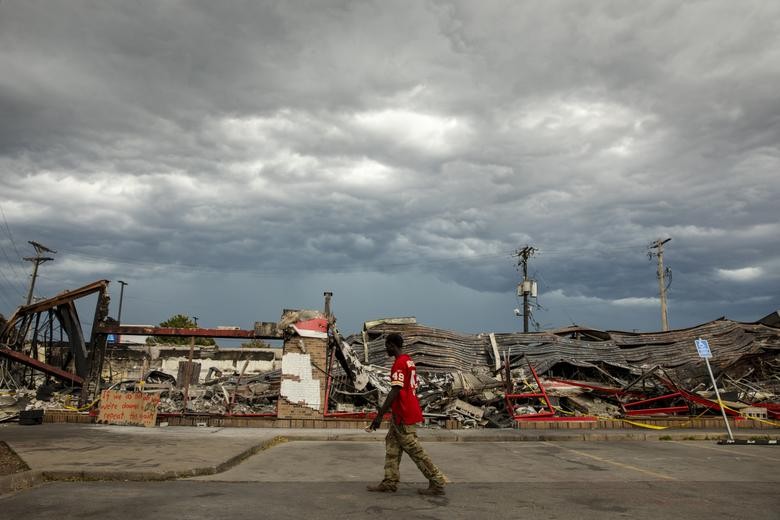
[527,287]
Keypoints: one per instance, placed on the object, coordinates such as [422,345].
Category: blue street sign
[111,338]
[703,348]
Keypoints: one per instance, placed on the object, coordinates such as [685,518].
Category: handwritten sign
[135,408]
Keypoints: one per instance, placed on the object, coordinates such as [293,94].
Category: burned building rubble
[470,380]
[496,379]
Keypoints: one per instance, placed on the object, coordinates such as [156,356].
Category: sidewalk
[101,452]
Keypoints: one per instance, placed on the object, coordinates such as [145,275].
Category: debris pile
[226,395]
[495,379]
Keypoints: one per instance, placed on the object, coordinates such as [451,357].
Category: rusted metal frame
[34,343]
[180,332]
[645,375]
[64,297]
[329,383]
[40,365]
[10,332]
[50,345]
[21,339]
[71,324]
[25,312]
[24,329]
[66,360]
[97,346]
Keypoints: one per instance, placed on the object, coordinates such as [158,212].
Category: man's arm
[394,391]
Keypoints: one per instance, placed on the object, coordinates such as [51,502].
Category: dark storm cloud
[411,139]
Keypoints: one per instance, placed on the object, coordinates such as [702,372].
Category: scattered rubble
[478,380]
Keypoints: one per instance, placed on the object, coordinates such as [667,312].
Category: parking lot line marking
[726,451]
[615,463]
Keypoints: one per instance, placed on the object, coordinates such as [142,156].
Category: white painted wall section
[306,391]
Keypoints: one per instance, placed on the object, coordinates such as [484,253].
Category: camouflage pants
[403,438]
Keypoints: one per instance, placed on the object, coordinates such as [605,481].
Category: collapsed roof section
[437,350]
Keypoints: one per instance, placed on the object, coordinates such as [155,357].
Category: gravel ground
[10,461]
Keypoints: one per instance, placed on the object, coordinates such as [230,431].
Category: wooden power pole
[527,287]
[37,260]
[658,245]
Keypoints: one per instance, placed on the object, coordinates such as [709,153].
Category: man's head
[394,343]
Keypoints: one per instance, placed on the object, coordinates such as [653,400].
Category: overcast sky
[231,159]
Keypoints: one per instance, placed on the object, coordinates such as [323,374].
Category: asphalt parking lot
[313,479]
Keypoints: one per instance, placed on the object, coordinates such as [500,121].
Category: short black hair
[395,339]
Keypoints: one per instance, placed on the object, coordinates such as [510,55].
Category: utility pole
[37,260]
[527,287]
[119,314]
[658,245]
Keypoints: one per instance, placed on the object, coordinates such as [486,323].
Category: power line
[20,284]
[10,235]
[13,280]
[11,285]
[544,251]
[7,300]
[276,271]
[13,243]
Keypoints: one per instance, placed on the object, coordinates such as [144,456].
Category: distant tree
[255,343]
[178,321]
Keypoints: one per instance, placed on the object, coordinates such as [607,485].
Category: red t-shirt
[406,407]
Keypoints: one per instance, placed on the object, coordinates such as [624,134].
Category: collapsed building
[466,380]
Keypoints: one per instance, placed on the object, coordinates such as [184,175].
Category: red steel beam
[688,396]
[41,366]
[653,411]
[601,389]
[651,400]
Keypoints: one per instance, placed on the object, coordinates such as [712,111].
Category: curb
[139,476]
[20,481]
[686,435]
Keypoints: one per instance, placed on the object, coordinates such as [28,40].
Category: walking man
[401,434]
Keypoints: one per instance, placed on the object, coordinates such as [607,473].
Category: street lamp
[121,296]
[119,314]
